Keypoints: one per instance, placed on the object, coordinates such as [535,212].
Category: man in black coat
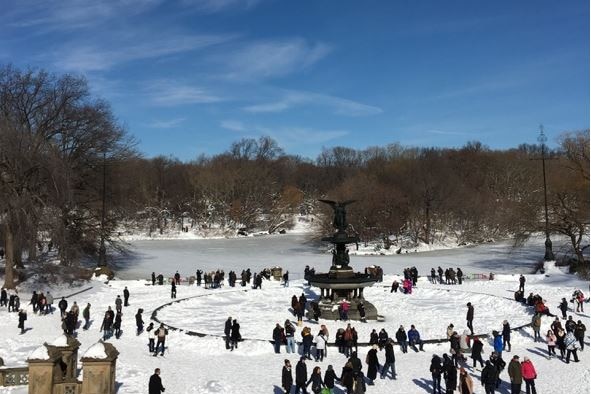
[470,317]
[489,378]
[286,377]
[153,278]
[155,386]
[227,331]
[301,376]
[125,297]
[63,305]
[390,360]
[139,322]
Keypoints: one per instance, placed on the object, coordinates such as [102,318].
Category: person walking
[289,330]
[436,369]
[320,346]
[571,344]
[316,380]
[117,324]
[563,306]
[153,279]
[489,378]
[529,375]
[372,364]
[465,386]
[277,338]
[389,363]
[470,317]
[580,333]
[515,375]
[301,376]
[118,303]
[477,352]
[329,378]
[560,342]
[522,283]
[86,316]
[536,323]
[551,342]
[286,377]
[173,289]
[155,385]
[139,321]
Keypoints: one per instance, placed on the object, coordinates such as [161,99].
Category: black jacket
[470,313]
[400,335]
[329,378]
[489,374]
[301,372]
[228,327]
[286,378]
[155,386]
[477,349]
[389,353]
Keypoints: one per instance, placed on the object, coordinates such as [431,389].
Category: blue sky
[188,77]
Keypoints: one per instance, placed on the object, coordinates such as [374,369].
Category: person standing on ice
[277,338]
[536,323]
[173,289]
[489,378]
[477,352]
[117,324]
[572,345]
[450,375]
[228,331]
[580,333]
[316,380]
[125,297]
[153,278]
[22,316]
[329,377]
[118,303]
[522,283]
[460,275]
[235,336]
[563,308]
[470,317]
[320,341]
[63,305]
[160,334]
[139,322]
[177,278]
[515,376]
[466,386]
[155,384]
[371,359]
[289,330]
[436,370]
[389,363]
[286,377]
[506,335]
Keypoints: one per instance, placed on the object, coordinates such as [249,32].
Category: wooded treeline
[57,143]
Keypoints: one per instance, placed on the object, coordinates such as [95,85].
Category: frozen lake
[294,251]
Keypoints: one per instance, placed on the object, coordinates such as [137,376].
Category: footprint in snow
[213,386]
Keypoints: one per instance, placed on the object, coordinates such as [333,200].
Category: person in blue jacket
[498,342]
[414,339]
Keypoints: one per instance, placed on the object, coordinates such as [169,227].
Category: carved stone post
[99,365]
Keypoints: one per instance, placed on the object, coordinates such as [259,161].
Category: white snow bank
[100,278]
[61,341]
[96,351]
[40,353]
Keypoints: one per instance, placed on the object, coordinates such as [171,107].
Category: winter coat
[551,340]
[389,353]
[329,378]
[514,371]
[347,377]
[467,381]
[476,349]
[470,313]
[86,312]
[289,330]
[155,386]
[536,322]
[235,333]
[413,335]
[317,383]
[22,316]
[570,341]
[358,383]
[401,336]
[580,330]
[498,344]
[489,374]
[320,342]
[286,378]
[356,363]
[528,371]
[450,375]
[301,373]
[372,364]
[563,306]
[373,338]
[277,334]
[435,367]
[506,331]
[228,327]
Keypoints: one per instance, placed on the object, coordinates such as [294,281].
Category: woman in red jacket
[529,375]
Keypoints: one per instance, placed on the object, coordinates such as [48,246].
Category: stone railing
[68,388]
[15,376]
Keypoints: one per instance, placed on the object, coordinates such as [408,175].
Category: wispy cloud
[93,58]
[270,59]
[213,6]
[446,132]
[166,124]
[172,93]
[69,14]
[233,125]
[338,105]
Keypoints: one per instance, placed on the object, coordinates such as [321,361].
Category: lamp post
[548,255]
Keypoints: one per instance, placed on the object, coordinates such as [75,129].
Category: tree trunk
[9,270]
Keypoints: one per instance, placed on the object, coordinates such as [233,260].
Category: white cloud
[93,58]
[172,93]
[269,59]
[233,125]
[166,124]
[292,99]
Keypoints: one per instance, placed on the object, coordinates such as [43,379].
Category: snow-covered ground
[203,365]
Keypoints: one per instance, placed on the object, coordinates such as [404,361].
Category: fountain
[341,282]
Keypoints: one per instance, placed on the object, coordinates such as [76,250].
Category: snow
[61,341]
[40,353]
[195,364]
[96,351]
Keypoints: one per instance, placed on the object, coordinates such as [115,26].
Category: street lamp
[548,255]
